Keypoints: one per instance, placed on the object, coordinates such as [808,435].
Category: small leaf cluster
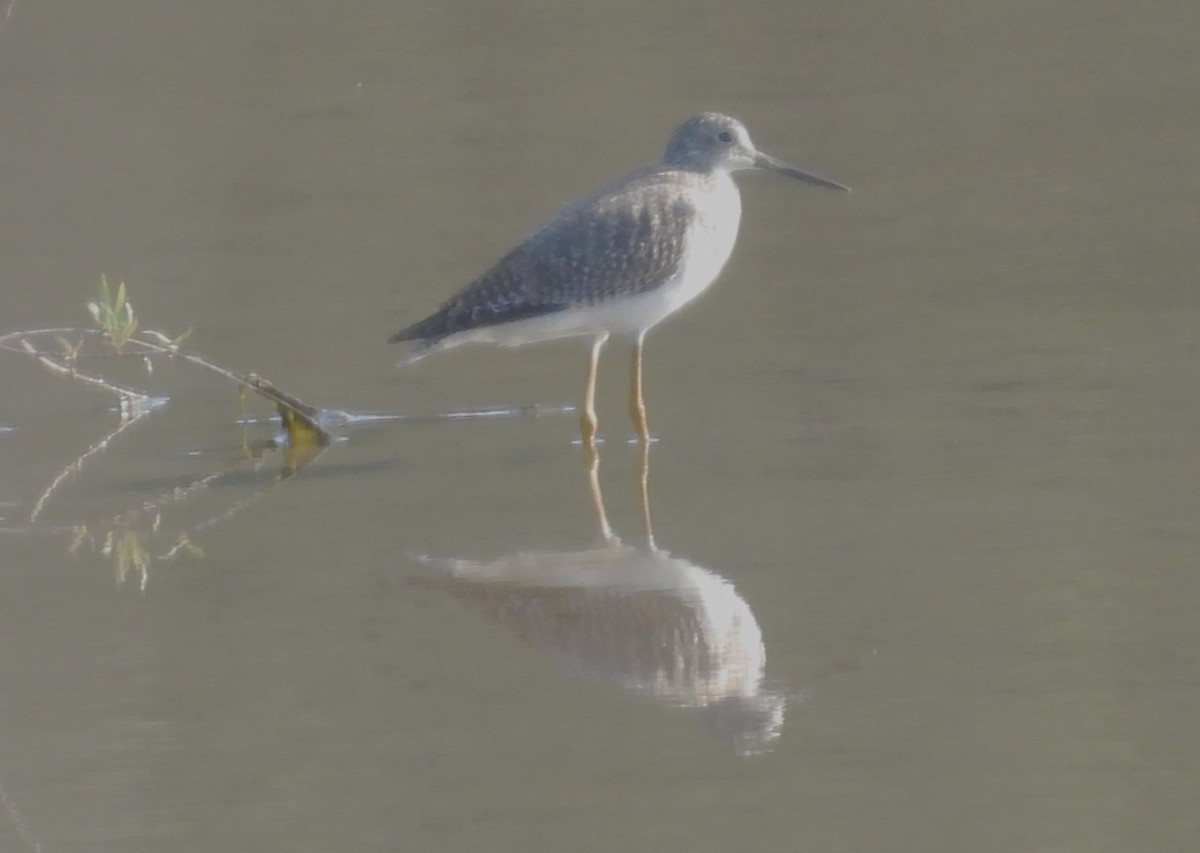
[113,314]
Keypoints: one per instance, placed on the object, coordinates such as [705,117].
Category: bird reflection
[637,616]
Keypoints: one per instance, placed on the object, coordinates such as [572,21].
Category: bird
[615,262]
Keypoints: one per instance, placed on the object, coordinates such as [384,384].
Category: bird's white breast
[710,240]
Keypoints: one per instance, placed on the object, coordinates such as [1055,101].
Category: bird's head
[713,141]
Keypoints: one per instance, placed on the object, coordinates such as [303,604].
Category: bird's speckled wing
[621,241]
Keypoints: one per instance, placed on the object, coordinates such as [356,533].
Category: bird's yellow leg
[637,406]
[642,479]
[587,418]
[591,457]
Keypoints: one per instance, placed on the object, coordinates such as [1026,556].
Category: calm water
[925,489]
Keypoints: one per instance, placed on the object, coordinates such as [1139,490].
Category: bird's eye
[725,136]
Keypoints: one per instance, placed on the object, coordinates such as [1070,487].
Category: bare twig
[135,406]
[302,421]
[70,372]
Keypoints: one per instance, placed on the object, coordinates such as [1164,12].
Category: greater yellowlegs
[618,261]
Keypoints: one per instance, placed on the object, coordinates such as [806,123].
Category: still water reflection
[632,615]
[956,418]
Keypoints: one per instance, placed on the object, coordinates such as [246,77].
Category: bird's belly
[630,315]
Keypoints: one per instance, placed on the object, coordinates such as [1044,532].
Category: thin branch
[70,372]
[302,421]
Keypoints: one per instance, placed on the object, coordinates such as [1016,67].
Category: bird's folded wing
[600,249]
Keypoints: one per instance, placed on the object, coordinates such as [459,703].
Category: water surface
[934,441]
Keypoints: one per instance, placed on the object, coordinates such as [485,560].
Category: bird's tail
[414,350]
